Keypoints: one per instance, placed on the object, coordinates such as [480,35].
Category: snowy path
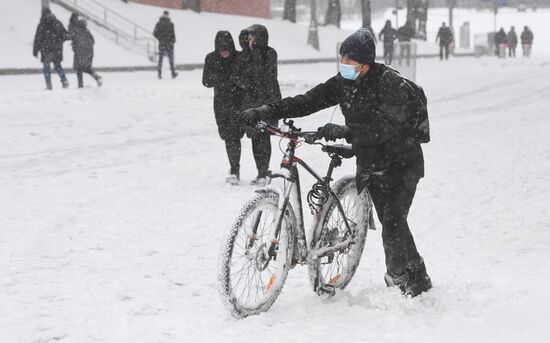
[113,207]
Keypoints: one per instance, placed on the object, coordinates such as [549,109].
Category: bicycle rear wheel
[251,276]
[336,269]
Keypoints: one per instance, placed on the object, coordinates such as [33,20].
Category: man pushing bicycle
[386,120]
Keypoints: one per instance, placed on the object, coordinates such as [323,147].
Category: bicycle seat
[342,150]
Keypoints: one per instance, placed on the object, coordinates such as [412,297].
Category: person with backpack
[256,76]
[83,48]
[164,32]
[386,120]
[48,41]
[526,41]
[218,68]
[388,36]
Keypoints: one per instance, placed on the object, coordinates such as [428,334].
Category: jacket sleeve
[172,33]
[208,77]
[319,97]
[37,40]
[156,31]
[392,117]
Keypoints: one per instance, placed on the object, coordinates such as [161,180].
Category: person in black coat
[445,38]
[404,35]
[526,41]
[500,43]
[218,69]
[48,41]
[512,39]
[256,76]
[83,48]
[388,36]
[164,32]
[374,101]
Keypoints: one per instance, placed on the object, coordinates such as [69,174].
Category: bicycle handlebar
[293,133]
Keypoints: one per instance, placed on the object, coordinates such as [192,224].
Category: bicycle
[268,238]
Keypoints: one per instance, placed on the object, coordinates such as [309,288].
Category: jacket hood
[388,23]
[259,32]
[243,39]
[224,40]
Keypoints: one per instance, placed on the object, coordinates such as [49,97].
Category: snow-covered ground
[113,207]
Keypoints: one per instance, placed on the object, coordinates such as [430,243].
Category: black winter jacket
[164,32]
[83,46]
[527,37]
[49,38]
[217,74]
[375,107]
[388,34]
[444,35]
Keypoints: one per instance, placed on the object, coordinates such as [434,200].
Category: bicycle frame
[289,172]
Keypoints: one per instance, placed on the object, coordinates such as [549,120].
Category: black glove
[253,115]
[332,132]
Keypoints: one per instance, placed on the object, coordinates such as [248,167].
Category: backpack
[418,111]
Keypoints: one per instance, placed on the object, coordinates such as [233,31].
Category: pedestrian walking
[445,38]
[512,40]
[527,38]
[501,43]
[48,41]
[385,128]
[256,76]
[164,32]
[218,69]
[388,36]
[83,48]
[404,35]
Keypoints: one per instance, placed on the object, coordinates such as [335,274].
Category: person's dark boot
[419,281]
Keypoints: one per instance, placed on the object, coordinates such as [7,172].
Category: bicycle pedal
[326,290]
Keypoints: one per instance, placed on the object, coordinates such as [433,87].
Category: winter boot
[258,181]
[65,83]
[99,80]
[175,74]
[419,281]
[233,179]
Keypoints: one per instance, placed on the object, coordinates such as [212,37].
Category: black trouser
[405,51]
[261,148]
[443,47]
[388,53]
[233,147]
[80,76]
[512,51]
[392,198]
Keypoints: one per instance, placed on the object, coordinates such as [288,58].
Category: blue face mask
[348,71]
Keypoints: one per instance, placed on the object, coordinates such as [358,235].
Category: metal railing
[126,32]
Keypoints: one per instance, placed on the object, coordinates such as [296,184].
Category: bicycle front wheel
[253,267]
[337,268]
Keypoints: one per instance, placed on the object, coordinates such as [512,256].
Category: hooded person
[256,76]
[445,39]
[48,41]
[512,39]
[526,41]
[83,48]
[501,43]
[166,35]
[217,72]
[374,100]
[388,36]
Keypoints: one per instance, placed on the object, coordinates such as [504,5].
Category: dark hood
[243,39]
[388,24]
[259,32]
[224,40]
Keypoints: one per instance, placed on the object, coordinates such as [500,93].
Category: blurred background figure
[501,43]
[512,39]
[527,41]
[445,38]
[388,36]
[48,41]
[404,35]
[83,48]
[164,32]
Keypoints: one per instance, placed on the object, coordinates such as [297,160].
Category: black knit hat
[359,46]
